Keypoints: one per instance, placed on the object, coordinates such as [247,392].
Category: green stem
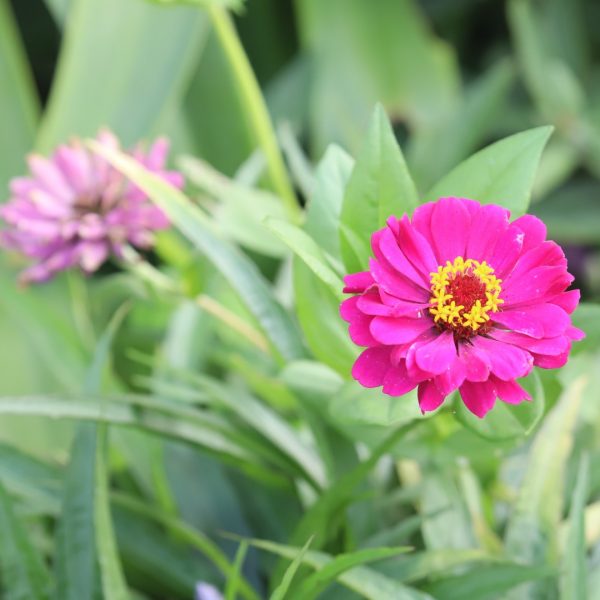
[254,105]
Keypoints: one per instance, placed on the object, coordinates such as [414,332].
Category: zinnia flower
[76,209]
[460,298]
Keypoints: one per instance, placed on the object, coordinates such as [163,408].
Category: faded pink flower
[75,209]
[460,298]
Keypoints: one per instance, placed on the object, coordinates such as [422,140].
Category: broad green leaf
[145,52]
[231,4]
[573,582]
[239,271]
[318,311]
[507,421]
[325,204]
[307,249]
[354,404]
[486,582]
[22,572]
[502,173]
[587,318]
[59,9]
[281,590]
[18,101]
[379,186]
[532,530]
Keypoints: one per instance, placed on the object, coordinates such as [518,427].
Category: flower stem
[254,105]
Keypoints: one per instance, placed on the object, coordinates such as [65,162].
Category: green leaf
[306,248]
[318,311]
[318,582]
[325,205]
[380,186]
[486,582]
[18,101]
[230,4]
[587,318]
[147,53]
[76,544]
[189,535]
[507,421]
[22,571]
[241,273]
[365,581]
[532,530]
[282,589]
[234,579]
[114,586]
[503,173]
[573,581]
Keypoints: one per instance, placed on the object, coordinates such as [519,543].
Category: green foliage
[188,415]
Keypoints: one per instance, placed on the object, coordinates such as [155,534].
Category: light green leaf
[573,581]
[380,186]
[241,273]
[282,589]
[363,580]
[145,52]
[532,530]
[230,4]
[306,248]
[507,421]
[502,173]
[486,582]
[18,101]
[233,581]
[325,205]
[316,584]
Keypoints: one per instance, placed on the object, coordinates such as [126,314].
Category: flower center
[463,293]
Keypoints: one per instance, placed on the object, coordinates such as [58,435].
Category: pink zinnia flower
[460,298]
[76,209]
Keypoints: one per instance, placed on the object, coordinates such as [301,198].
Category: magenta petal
[540,320]
[396,284]
[359,330]
[437,356]
[568,301]
[450,225]
[551,362]
[575,334]
[388,245]
[488,224]
[507,251]
[397,382]
[400,330]
[552,346]
[476,362]
[357,282]
[539,285]
[507,361]
[417,249]
[479,398]
[534,230]
[371,366]
[429,396]
[451,379]
[510,391]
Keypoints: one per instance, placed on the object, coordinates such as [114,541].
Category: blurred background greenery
[453,77]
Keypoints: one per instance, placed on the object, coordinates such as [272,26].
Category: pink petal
[437,356]
[552,346]
[568,301]
[534,230]
[396,284]
[450,225]
[479,398]
[92,255]
[371,366]
[575,334]
[507,251]
[398,330]
[488,224]
[540,320]
[538,285]
[507,361]
[510,391]
[417,249]
[397,382]
[476,362]
[358,282]
[429,396]
[359,322]
[452,379]
[551,362]
[389,248]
